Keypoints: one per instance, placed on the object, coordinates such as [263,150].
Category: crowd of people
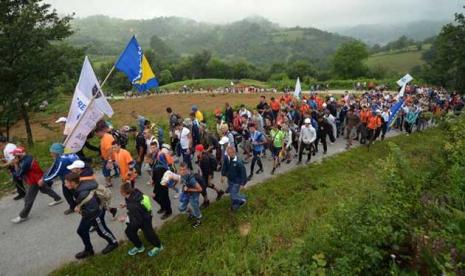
[184,161]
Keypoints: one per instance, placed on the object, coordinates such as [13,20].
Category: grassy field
[211,83]
[267,236]
[398,62]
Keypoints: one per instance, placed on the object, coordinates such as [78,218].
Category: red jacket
[29,170]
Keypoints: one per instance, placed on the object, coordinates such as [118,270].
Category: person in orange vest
[374,123]
[364,116]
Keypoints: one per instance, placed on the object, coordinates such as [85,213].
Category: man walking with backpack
[190,194]
[93,214]
[258,141]
[234,170]
[207,165]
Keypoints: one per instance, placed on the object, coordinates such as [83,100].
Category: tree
[347,62]
[446,59]
[199,64]
[31,63]
[165,77]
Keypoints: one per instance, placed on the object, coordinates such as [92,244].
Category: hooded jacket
[139,208]
[90,209]
[29,171]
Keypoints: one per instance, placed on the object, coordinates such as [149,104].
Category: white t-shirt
[7,152]
[184,138]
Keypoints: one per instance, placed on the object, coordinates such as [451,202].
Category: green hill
[254,39]
[400,62]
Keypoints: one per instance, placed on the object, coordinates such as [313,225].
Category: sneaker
[68,212]
[161,211]
[18,219]
[165,216]
[18,197]
[134,251]
[272,171]
[196,223]
[249,177]
[219,195]
[259,171]
[84,254]
[110,247]
[155,251]
[56,202]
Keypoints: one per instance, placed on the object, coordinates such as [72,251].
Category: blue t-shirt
[257,136]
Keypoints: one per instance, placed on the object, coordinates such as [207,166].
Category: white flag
[404,80]
[298,89]
[401,92]
[76,140]
[87,87]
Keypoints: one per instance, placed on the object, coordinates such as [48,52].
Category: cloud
[315,13]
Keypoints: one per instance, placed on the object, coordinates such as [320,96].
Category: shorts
[275,151]
[106,172]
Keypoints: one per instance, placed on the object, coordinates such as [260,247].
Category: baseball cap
[61,120]
[166,146]
[18,151]
[224,140]
[307,121]
[199,148]
[78,164]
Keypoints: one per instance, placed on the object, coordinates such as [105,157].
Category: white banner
[298,89]
[77,139]
[401,92]
[404,80]
[87,87]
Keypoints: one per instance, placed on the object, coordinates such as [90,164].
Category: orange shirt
[304,108]
[105,145]
[374,122]
[364,115]
[275,105]
[123,158]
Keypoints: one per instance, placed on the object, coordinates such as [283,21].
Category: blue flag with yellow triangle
[133,63]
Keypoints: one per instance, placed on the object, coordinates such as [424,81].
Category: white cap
[224,140]
[166,146]
[78,164]
[307,121]
[61,120]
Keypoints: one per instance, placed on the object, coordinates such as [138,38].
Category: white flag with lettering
[404,80]
[87,87]
[298,89]
[88,102]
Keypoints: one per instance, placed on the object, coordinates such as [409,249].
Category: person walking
[190,194]
[7,163]
[277,138]
[234,170]
[306,138]
[258,141]
[27,169]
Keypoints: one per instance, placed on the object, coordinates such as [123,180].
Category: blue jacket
[58,168]
[92,208]
[234,170]
[257,136]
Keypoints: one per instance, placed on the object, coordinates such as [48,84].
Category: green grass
[397,62]
[279,214]
[211,83]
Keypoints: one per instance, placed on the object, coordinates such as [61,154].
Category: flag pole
[108,76]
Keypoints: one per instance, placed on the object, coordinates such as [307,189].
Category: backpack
[103,195]
[120,137]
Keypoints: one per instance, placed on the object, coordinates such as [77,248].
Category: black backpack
[120,137]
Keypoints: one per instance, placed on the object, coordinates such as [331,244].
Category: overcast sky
[315,13]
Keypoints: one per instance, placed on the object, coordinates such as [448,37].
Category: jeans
[236,197]
[31,195]
[147,229]
[186,158]
[101,227]
[194,203]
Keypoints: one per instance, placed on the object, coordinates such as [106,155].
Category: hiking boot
[155,251]
[110,247]
[219,195]
[84,254]
[56,202]
[134,251]
[196,223]
[68,212]
[18,197]
[165,216]
[18,220]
